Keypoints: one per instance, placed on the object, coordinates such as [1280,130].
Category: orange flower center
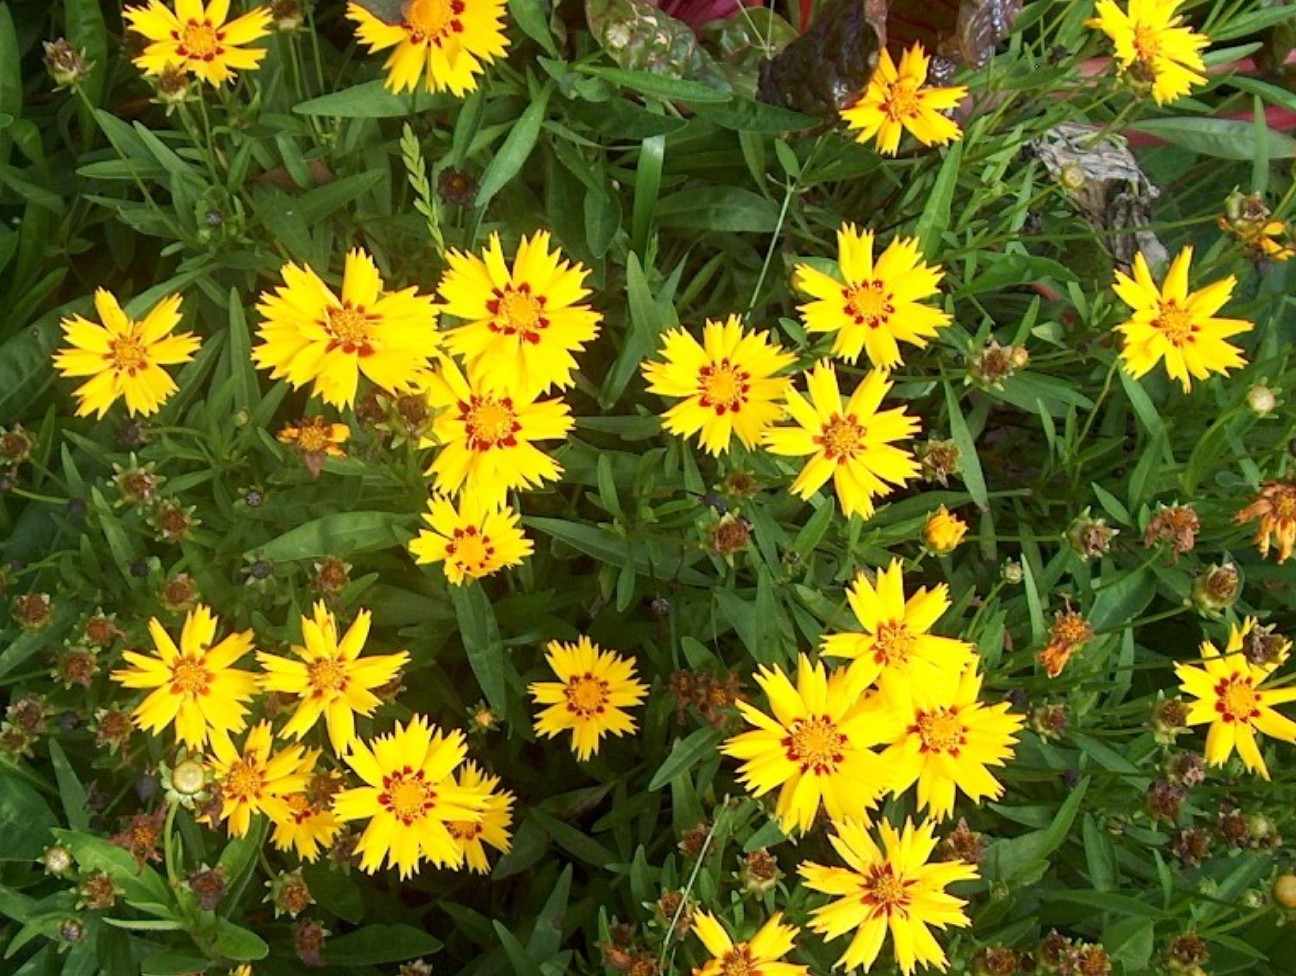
[407,795]
[1237,700]
[326,674]
[471,550]
[1284,505]
[723,387]
[842,438]
[1147,42]
[884,891]
[940,730]
[1071,628]
[127,354]
[1175,323]
[518,312]
[587,695]
[463,829]
[869,303]
[738,961]
[816,745]
[901,101]
[313,438]
[892,644]
[198,40]
[489,422]
[431,21]
[299,805]
[244,781]
[189,677]
[350,328]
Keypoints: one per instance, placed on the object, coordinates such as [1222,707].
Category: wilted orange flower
[1069,633]
[1275,507]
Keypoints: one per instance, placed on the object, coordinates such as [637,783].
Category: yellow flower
[813,745]
[254,781]
[1176,324]
[198,39]
[949,739]
[486,437]
[331,679]
[315,435]
[473,541]
[874,306]
[849,442]
[493,828]
[1275,507]
[309,828]
[310,335]
[727,381]
[760,956]
[1152,46]
[521,326]
[195,685]
[1229,697]
[943,532]
[892,887]
[409,797]
[593,689]
[445,42]
[124,358]
[896,100]
[896,642]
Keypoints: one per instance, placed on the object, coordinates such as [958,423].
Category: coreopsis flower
[943,532]
[124,358]
[896,100]
[760,955]
[875,305]
[307,827]
[1152,47]
[1070,632]
[331,678]
[894,640]
[521,326]
[195,685]
[471,540]
[252,780]
[446,43]
[849,441]
[316,439]
[892,887]
[1275,507]
[727,383]
[1248,220]
[1176,524]
[590,697]
[1229,698]
[487,438]
[1171,323]
[814,746]
[949,739]
[198,38]
[409,797]
[474,836]
[311,335]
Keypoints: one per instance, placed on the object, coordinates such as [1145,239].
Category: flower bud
[943,532]
[1216,590]
[1284,890]
[65,64]
[1261,400]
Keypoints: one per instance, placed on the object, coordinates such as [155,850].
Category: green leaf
[1220,138]
[72,793]
[25,819]
[1024,859]
[371,100]
[140,884]
[481,640]
[546,938]
[238,943]
[672,89]
[530,16]
[377,944]
[746,115]
[1121,600]
[238,859]
[520,964]
[648,320]
[970,464]
[718,208]
[334,889]
[1100,856]
[11,81]
[515,150]
[340,534]
[684,755]
[935,217]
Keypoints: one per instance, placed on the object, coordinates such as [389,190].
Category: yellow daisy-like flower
[124,358]
[895,640]
[409,797]
[308,827]
[1275,507]
[198,39]
[447,43]
[890,887]
[472,540]
[759,956]
[943,532]
[949,739]
[331,679]
[521,326]
[879,304]
[493,829]
[1177,325]
[727,382]
[254,781]
[310,335]
[593,689]
[1229,697]
[814,746]
[850,442]
[487,437]
[1152,46]
[896,100]
[195,684]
